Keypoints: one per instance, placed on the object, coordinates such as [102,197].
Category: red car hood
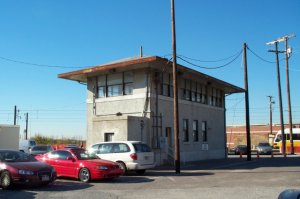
[32,166]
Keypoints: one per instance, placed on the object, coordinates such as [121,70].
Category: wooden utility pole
[279,93]
[175,91]
[288,92]
[247,104]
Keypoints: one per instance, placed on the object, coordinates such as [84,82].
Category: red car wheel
[84,175]
[5,180]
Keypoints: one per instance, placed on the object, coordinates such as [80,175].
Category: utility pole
[175,105]
[26,130]
[247,104]
[279,92]
[271,110]
[287,53]
[15,116]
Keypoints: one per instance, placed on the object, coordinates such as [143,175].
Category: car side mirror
[71,158]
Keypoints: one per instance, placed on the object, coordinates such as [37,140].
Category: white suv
[131,155]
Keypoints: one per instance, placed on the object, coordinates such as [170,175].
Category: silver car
[264,148]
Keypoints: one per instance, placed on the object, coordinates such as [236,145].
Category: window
[216,97]
[101,86]
[195,131]
[185,130]
[124,148]
[128,83]
[204,131]
[167,85]
[105,148]
[116,84]
[193,91]
[187,90]
[108,137]
[139,148]
[62,155]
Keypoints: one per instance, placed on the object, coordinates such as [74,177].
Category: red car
[79,164]
[20,168]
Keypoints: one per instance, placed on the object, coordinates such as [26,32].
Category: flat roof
[83,74]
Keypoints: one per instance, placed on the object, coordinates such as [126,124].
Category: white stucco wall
[214,116]
[127,126]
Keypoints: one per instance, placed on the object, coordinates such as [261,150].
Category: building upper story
[149,77]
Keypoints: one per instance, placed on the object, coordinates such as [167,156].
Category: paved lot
[232,178]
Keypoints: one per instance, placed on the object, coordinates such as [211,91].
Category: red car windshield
[15,156]
[84,155]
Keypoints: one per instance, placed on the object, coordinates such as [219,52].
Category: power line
[39,65]
[216,67]
[198,60]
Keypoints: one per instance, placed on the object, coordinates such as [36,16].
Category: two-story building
[132,99]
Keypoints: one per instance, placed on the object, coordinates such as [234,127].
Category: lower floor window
[108,137]
[204,131]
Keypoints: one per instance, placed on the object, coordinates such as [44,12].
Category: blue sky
[75,34]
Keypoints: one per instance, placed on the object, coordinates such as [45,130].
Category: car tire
[5,180]
[123,166]
[84,175]
[140,172]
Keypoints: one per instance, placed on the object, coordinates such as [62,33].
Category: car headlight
[103,168]
[26,172]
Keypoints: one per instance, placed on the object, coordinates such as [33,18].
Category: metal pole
[247,104]
[15,116]
[26,126]
[280,99]
[175,105]
[288,95]
[271,118]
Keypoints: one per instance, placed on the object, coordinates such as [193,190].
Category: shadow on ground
[29,192]
[235,162]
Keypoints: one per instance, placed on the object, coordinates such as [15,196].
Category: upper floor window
[216,98]
[167,84]
[115,84]
[193,91]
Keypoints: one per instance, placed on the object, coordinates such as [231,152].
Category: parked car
[131,155]
[264,148]
[26,145]
[20,168]
[290,194]
[79,164]
[240,149]
[40,149]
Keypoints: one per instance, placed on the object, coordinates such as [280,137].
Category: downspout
[225,136]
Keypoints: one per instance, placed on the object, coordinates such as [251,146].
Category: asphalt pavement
[235,177]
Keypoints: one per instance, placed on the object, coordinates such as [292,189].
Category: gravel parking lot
[235,177]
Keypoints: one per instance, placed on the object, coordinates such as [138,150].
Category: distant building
[259,133]
[132,99]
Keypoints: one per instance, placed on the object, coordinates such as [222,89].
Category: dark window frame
[195,131]
[107,90]
[185,130]
[204,131]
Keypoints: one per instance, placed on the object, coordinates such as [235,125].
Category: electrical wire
[217,60]
[39,65]
[216,67]
[259,56]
